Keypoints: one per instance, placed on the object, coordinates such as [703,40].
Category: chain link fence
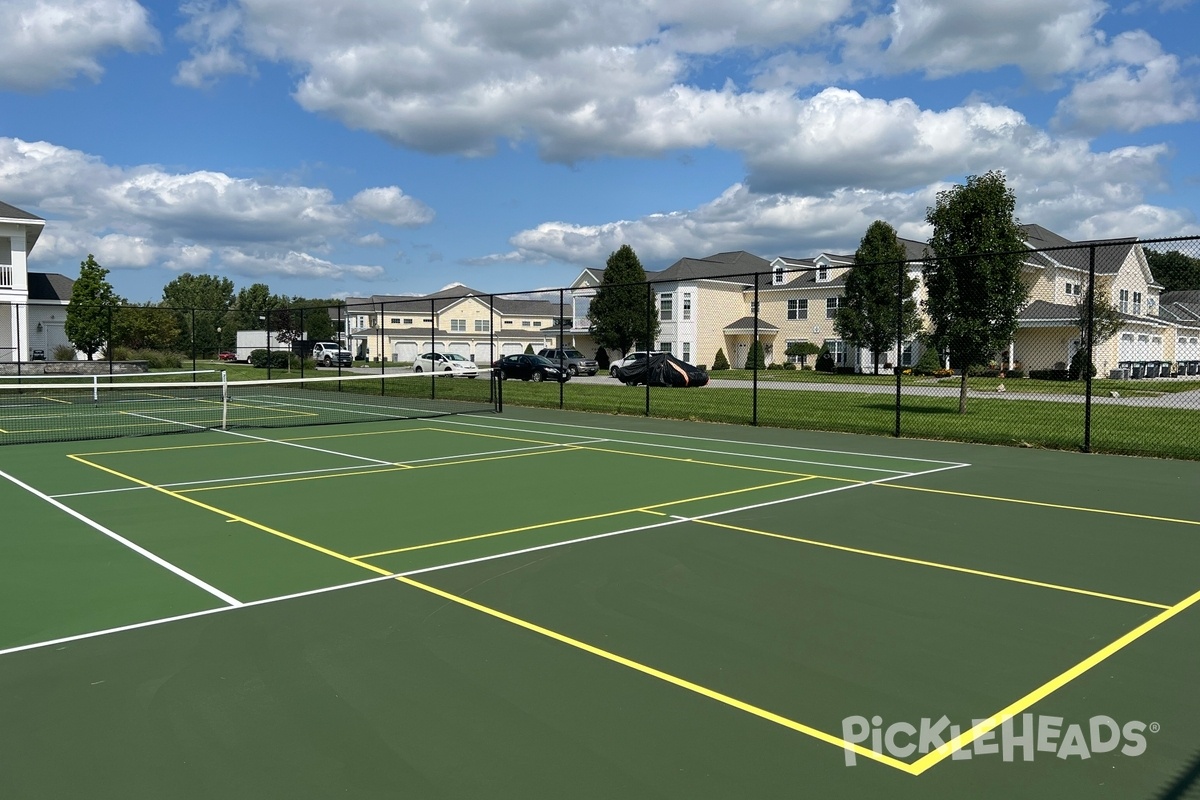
[1096,350]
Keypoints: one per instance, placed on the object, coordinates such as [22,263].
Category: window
[753,307]
[582,306]
[408,321]
[837,349]
[458,325]
[1074,289]
[832,304]
[483,325]
[687,307]
[6,272]
[798,309]
[1137,303]
[508,322]
[537,323]
[822,273]
[525,323]
[665,310]
[664,347]
[1123,301]
[687,352]
[776,278]
[906,355]
[396,320]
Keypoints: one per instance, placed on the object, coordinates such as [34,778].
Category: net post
[224,400]
[96,388]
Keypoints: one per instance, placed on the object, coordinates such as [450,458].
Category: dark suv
[573,360]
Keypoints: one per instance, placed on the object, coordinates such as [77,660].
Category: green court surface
[557,605]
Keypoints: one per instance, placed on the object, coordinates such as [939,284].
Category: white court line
[422,570]
[167,565]
[297,473]
[692,449]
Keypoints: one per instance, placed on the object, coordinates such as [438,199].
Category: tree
[145,327]
[825,362]
[973,276]
[204,300]
[801,350]
[1105,323]
[621,313]
[868,316]
[251,303]
[1174,270]
[91,308]
[720,362]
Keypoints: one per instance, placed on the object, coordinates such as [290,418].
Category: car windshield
[573,354]
[454,357]
[541,360]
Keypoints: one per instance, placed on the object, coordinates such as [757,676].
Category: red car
[227,356]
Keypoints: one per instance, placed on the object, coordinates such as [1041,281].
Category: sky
[358,147]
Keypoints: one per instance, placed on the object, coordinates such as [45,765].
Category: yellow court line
[935,564]
[57,400]
[234,517]
[674,680]
[1042,505]
[555,523]
[498,436]
[1050,686]
[356,473]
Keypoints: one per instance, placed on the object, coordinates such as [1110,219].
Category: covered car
[662,369]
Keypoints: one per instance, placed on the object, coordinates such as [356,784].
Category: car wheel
[612,372]
[503,377]
[417,369]
[448,370]
[574,370]
[328,362]
[538,377]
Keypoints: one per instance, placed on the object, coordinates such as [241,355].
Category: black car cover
[662,369]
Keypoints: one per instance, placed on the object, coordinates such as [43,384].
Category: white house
[32,304]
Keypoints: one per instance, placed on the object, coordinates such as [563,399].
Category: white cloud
[1138,86]
[211,28]
[391,206]
[51,42]
[147,217]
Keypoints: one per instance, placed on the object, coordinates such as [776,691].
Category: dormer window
[822,273]
[777,276]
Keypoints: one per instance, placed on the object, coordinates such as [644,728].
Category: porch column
[1011,355]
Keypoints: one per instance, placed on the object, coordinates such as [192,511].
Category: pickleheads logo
[1027,735]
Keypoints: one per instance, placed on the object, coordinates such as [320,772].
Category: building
[476,325]
[33,310]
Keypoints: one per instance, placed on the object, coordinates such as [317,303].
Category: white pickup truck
[327,354]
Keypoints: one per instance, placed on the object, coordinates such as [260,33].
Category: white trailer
[249,341]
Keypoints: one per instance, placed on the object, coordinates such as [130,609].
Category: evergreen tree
[622,312]
[91,308]
[868,314]
[974,273]
[756,358]
[720,362]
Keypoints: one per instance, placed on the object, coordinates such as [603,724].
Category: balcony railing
[6,275]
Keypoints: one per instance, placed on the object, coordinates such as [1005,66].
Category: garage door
[462,348]
[483,353]
[404,351]
[1126,351]
[512,348]
[433,347]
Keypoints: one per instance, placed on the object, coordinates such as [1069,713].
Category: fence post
[270,357]
[108,340]
[19,355]
[561,355]
[755,349]
[650,339]
[432,349]
[303,339]
[899,338]
[497,392]
[1091,335]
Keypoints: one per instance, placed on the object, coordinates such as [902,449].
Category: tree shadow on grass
[916,409]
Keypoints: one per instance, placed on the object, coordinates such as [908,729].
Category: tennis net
[63,411]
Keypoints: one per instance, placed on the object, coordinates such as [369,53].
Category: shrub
[157,359]
[529,349]
[278,359]
[1015,373]
[720,362]
[63,352]
[825,361]
[802,350]
[788,365]
[1079,362]
[602,359]
[773,365]
[845,370]
[928,363]
[756,358]
[1050,374]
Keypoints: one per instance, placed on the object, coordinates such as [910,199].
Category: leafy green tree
[801,350]
[622,312]
[720,362]
[202,304]
[868,316]
[973,276]
[145,327]
[91,308]
[251,302]
[756,358]
[1174,270]
[1106,322]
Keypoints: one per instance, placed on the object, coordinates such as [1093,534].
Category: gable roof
[33,224]
[50,286]
[737,266]
[438,302]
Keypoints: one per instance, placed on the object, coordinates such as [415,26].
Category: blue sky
[358,147]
